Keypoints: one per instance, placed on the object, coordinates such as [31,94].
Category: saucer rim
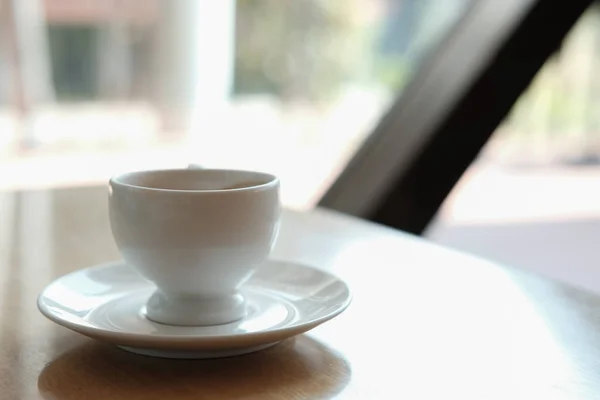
[176,342]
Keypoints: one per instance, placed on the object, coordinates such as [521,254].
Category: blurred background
[88,88]
[91,88]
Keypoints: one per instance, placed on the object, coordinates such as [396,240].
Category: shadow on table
[300,368]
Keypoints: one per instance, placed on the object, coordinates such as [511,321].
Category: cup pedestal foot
[195,311]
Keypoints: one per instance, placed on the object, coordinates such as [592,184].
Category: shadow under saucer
[300,367]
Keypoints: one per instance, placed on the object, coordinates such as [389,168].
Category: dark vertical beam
[406,169]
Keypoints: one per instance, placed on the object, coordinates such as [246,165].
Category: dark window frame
[436,128]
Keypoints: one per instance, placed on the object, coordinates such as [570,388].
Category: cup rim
[270,180]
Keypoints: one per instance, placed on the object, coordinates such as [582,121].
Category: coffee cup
[198,235]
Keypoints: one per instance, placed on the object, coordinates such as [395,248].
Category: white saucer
[106,302]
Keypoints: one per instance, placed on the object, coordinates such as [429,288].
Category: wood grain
[426,322]
[300,367]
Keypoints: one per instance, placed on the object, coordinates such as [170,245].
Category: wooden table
[426,322]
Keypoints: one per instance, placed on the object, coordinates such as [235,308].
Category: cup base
[195,311]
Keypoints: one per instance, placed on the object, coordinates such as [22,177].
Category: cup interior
[196,179]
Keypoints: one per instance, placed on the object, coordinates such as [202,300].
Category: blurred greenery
[392,72]
[564,97]
[73,61]
[297,50]
[308,49]
[294,49]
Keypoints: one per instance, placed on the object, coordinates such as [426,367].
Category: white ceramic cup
[198,234]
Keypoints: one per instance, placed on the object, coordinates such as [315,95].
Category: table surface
[426,322]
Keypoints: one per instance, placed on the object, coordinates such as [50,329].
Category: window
[290,87]
[531,199]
